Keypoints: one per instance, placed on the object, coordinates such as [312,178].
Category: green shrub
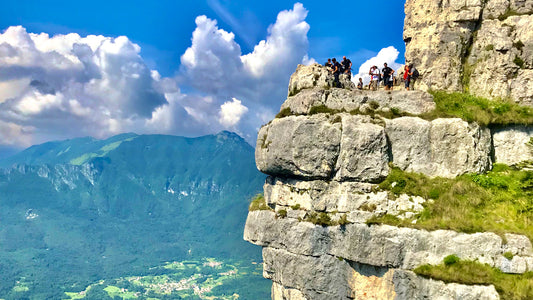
[284,113]
[282,213]
[258,203]
[294,91]
[368,207]
[296,206]
[519,62]
[322,219]
[322,109]
[451,259]
[509,255]
[373,105]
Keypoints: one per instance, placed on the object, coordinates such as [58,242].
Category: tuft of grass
[477,109]
[323,109]
[295,206]
[284,113]
[508,13]
[343,220]
[489,47]
[282,213]
[373,105]
[259,203]
[368,207]
[451,259]
[508,286]
[322,219]
[500,201]
[509,255]
[294,91]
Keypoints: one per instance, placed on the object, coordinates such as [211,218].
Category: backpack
[415,74]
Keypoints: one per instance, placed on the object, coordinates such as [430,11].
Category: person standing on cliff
[413,75]
[387,76]
[360,84]
[406,76]
[328,64]
[374,77]
[347,67]
[336,72]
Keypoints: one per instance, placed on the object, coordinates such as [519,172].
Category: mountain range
[80,210]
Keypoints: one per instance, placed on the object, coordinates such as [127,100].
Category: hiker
[413,75]
[387,76]
[374,77]
[328,64]
[360,84]
[347,67]
[336,72]
[406,76]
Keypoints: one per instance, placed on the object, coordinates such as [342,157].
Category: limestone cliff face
[330,160]
[481,46]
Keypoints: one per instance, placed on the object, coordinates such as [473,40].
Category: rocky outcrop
[315,75]
[412,102]
[484,47]
[358,147]
[511,144]
[326,153]
[442,147]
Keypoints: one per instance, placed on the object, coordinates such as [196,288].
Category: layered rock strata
[327,153]
[481,46]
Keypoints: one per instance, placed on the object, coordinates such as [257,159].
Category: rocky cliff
[481,46]
[325,154]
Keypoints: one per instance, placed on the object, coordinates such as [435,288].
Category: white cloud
[67,85]
[15,135]
[63,86]
[387,55]
[215,66]
[231,112]
[285,46]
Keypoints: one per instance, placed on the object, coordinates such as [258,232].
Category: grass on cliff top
[509,286]
[477,109]
[499,201]
[452,105]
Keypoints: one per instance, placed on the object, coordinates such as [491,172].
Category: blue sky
[135,74]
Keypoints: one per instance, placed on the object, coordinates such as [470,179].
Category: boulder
[315,75]
[442,147]
[510,144]
[363,153]
[299,146]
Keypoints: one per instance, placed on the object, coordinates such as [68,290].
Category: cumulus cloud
[231,112]
[387,55]
[215,66]
[15,135]
[64,86]
[72,85]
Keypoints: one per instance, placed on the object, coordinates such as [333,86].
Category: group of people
[344,67]
[386,74]
[410,76]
